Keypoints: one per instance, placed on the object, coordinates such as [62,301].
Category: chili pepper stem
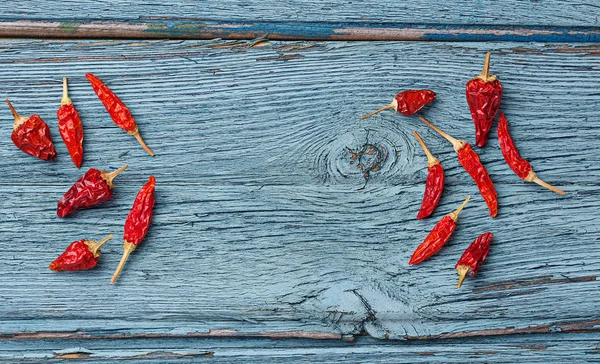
[65,96]
[136,133]
[485,73]
[431,160]
[456,144]
[532,177]
[462,272]
[128,248]
[454,214]
[393,105]
[109,177]
[95,245]
[19,120]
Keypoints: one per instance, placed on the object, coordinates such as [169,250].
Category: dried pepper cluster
[483,94]
[32,135]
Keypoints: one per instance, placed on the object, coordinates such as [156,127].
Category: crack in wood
[541,280]
[211,333]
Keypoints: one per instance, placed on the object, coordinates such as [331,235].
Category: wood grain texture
[511,12]
[530,348]
[262,226]
[347,31]
[456,20]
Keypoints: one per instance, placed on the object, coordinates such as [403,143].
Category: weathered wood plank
[263,227]
[347,31]
[531,348]
[455,20]
[510,12]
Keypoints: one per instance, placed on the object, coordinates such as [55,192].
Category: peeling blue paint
[374,31]
[344,31]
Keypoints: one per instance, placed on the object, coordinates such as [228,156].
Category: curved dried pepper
[117,110]
[438,236]
[484,93]
[137,223]
[470,161]
[32,135]
[434,184]
[70,127]
[512,156]
[79,255]
[469,263]
[91,189]
[407,102]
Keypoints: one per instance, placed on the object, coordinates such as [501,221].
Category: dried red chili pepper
[407,102]
[512,156]
[70,127]
[434,184]
[32,135]
[484,93]
[438,236]
[117,110]
[137,223]
[471,163]
[91,189]
[79,255]
[469,263]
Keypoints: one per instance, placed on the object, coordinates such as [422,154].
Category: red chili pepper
[469,263]
[91,189]
[69,126]
[434,184]
[484,93]
[117,110]
[32,135]
[407,102]
[512,156]
[438,236]
[137,223]
[79,255]
[472,164]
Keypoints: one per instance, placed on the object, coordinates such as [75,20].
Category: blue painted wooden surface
[512,12]
[263,230]
[528,348]
[455,20]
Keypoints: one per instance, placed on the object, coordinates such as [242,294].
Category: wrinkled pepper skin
[117,110]
[411,101]
[407,102]
[89,190]
[33,137]
[438,236]
[484,93]
[140,217]
[484,102]
[70,127]
[137,223]
[469,263]
[71,131]
[77,256]
[476,253]
[80,255]
[519,165]
[435,181]
[511,154]
[470,161]
[434,187]
[436,239]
